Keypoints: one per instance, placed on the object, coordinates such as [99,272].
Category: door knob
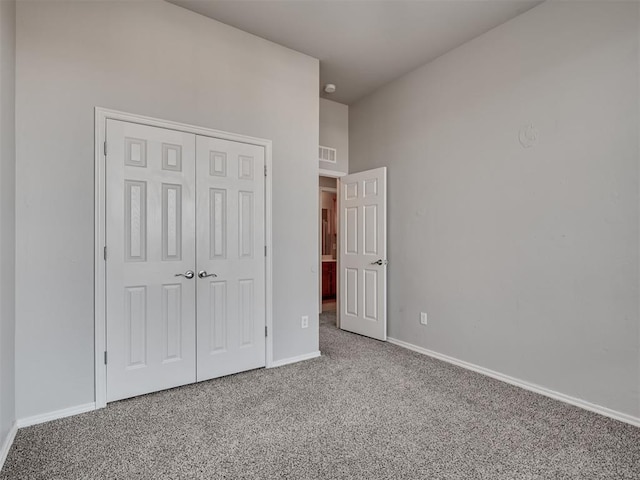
[380,262]
[204,274]
[188,274]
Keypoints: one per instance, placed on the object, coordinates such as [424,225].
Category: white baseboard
[6,445]
[607,412]
[299,358]
[47,417]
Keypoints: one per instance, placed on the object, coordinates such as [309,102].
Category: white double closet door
[185,266]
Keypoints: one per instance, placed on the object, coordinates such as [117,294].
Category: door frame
[100,323]
[337,175]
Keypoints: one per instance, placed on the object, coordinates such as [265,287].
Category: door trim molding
[322,172]
[101,117]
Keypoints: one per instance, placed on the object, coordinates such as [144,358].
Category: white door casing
[362,204]
[102,117]
[230,222]
[150,230]
[165,326]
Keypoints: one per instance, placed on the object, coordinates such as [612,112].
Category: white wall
[7,218]
[526,259]
[334,133]
[155,59]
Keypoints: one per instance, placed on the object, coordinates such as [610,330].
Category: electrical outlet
[305,321]
[423,318]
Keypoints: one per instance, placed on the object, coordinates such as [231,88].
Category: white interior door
[150,239]
[363,253]
[230,257]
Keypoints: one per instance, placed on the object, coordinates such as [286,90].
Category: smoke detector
[329,88]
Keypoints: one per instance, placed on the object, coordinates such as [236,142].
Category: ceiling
[363,44]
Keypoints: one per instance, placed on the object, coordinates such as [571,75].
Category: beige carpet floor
[364,410]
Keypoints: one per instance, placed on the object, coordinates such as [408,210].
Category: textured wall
[523,250]
[334,133]
[7,217]
[155,59]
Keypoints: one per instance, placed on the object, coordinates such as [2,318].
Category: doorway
[182,287]
[361,253]
[328,244]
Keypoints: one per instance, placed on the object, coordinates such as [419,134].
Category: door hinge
[105,149]
[105,357]
[265,250]
[104,253]
[265,170]
[265,331]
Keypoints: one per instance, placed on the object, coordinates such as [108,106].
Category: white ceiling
[363,44]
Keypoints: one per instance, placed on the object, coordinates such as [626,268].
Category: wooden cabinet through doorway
[328,280]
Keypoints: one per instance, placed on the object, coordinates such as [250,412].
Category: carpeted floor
[364,410]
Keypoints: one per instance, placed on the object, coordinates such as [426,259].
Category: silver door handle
[380,262]
[204,274]
[188,274]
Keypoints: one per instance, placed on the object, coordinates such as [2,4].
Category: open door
[362,203]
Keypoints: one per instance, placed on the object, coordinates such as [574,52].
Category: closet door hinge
[265,250]
[105,149]
[265,331]
[104,253]
[265,170]
[105,357]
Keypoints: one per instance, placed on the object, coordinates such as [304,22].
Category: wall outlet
[305,321]
[423,318]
